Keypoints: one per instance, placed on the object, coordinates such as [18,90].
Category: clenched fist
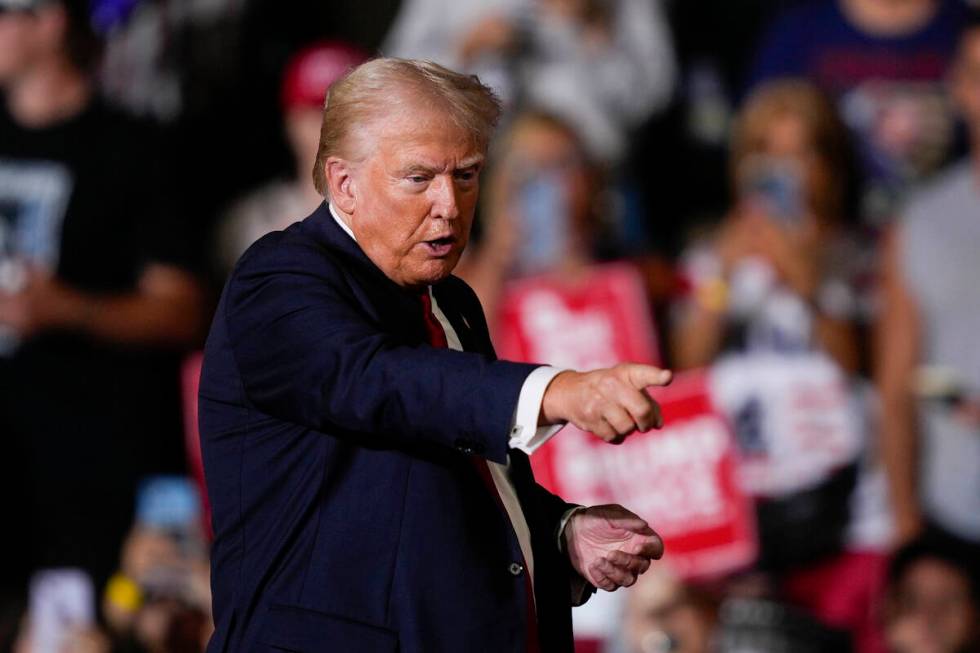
[611,402]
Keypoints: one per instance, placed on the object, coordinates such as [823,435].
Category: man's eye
[417,179]
[467,175]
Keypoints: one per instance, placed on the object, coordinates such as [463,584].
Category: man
[96,299]
[932,599]
[884,62]
[366,455]
[928,357]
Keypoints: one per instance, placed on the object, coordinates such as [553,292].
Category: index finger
[641,376]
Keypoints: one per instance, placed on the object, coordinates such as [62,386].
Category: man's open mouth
[440,246]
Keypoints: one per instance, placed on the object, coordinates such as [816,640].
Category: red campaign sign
[596,320]
[682,479]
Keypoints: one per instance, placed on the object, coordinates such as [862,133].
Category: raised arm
[309,354]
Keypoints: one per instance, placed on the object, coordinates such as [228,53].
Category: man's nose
[443,195]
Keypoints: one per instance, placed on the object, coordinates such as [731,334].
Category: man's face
[17,37]
[415,195]
[934,612]
[303,132]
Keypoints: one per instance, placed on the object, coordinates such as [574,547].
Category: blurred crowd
[795,183]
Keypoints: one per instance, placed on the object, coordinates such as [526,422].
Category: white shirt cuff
[525,434]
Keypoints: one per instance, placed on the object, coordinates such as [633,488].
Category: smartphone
[777,184]
[60,601]
[172,505]
[543,208]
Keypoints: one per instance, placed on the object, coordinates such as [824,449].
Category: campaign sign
[682,479]
[796,418]
[596,320]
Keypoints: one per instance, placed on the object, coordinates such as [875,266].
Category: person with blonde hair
[789,158]
[366,453]
[773,306]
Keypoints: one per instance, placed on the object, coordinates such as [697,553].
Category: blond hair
[825,131]
[374,89]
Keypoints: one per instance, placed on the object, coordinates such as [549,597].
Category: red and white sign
[596,320]
[682,479]
[797,420]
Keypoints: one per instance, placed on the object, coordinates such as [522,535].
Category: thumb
[622,518]
[641,376]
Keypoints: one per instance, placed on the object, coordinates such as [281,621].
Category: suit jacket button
[464,446]
[516,568]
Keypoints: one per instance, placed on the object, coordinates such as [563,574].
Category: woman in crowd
[540,209]
[774,305]
[779,269]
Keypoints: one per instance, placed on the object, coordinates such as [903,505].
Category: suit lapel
[450,305]
[399,311]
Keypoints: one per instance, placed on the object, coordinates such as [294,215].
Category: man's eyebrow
[472,162]
[414,168]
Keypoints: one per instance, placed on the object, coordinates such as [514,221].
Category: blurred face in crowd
[542,147]
[16,28]
[786,146]
[302,125]
[660,616]
[26,36]
[932,610]
[966,80]
[543,191]
[412,197]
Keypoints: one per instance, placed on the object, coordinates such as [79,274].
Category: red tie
[437,338]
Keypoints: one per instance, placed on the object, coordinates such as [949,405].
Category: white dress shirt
[525,434]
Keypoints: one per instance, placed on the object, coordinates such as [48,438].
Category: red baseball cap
[313,69]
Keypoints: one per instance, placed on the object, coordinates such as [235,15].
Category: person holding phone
[773,305]
[541,212]
[779,271]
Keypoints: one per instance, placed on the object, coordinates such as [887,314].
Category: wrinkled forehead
[424,133]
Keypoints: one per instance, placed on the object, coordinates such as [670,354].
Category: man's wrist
[566,518]
[581,588]
[527,434]
[552,404]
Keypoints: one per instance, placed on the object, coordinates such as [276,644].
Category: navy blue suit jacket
[347,511]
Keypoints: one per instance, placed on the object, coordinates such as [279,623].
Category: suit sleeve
[307,354]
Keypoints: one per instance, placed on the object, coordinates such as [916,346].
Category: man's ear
[340,183]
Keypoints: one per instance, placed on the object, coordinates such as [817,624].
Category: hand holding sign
[611,402]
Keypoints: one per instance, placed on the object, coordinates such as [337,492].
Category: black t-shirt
[92,195]
[80,419]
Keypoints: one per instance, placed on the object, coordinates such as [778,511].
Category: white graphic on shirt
[33,199]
